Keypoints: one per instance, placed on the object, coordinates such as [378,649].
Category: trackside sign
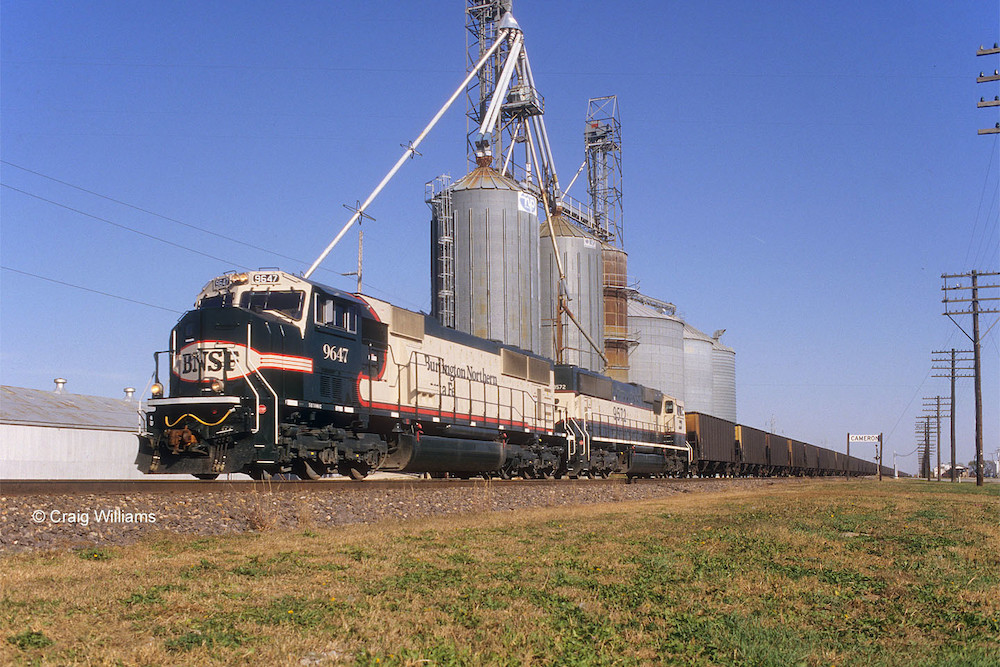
[863,438]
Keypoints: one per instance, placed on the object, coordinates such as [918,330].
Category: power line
[153,213]
[121,226]
[907,408]
[371,288]
[87,289]
[988,248]
[982,197]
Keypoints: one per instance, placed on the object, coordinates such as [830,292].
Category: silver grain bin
[582,259]
[723,380]
[658,360]
[496,260]
[699,382]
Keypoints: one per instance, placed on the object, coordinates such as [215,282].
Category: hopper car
[723,448]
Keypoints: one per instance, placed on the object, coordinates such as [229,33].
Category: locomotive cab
[263,360]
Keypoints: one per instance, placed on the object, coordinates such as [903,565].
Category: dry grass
[810,574]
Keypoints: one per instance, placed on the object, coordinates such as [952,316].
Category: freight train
[723,448]
[276,374]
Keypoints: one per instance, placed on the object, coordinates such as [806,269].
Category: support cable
[410,150]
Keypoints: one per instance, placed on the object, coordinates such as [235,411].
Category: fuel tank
[430,453]
[646,461]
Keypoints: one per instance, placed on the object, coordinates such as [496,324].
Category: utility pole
[847,461]
[932,405]
[361,245]
[362,216]
[974,309]
[954,371]
[923,430]
[987,78]
[880,457]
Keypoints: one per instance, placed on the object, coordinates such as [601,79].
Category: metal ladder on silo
[438,196]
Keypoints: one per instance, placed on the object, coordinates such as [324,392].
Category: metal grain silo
[496,260]
[583,263]
[698,379]
[723,379]
[658,360]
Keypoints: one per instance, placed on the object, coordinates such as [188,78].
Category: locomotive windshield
[221,300]
[287,303]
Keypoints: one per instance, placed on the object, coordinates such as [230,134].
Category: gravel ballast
[66,521]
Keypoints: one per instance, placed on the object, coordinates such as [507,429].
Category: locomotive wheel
[304,470]
[356,471]
[207,476]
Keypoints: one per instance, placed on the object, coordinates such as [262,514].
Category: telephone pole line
[932,406]
[955,371]
[985,77]
[923,430]
[954,293]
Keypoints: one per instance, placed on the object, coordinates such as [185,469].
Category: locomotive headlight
[217,386]
[156,390]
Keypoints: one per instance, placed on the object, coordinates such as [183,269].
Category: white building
[58,435]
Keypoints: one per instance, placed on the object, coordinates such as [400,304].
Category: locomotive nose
[211,350]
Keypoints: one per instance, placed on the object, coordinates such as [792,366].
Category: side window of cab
[336,314]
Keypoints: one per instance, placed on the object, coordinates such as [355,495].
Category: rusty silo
[617,339]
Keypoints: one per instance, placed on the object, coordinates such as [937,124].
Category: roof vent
[129,393]
[60,385]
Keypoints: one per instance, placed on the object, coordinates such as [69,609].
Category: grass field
[812,573]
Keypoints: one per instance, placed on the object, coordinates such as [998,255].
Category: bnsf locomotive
[275,374]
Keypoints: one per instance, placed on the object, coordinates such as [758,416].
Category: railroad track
[335,485]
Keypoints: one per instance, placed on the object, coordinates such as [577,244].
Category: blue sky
[797,173]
